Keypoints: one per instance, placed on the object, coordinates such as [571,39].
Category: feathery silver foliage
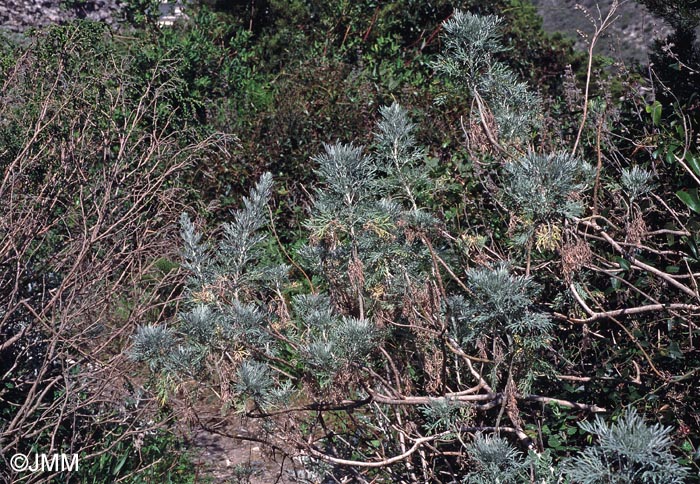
[246,323]
[242,237]
[398,155]
[186,360]
[254,381]
[346,171]
[194,253]
[636,182]
[442,414]
[500,306]
[495,461]
[200,323]
[315,310]
[467,60]
[152,344]
[547,186]
[626,452]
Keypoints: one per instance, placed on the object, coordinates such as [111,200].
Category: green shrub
[402,332]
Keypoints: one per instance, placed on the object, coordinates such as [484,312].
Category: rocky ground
[18,15]
[628,38]
[225,449]
[226,459]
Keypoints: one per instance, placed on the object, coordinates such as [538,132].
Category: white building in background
[170,12]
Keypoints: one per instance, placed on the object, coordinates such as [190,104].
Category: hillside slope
[628,38]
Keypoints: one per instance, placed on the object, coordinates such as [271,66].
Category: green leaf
[554,442]
[624,263]
[674,350]
[694,162]
[687,446]
[655,111]
[615,283]
[690,198]
[693,247]
[120,464]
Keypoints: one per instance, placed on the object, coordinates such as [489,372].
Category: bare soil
[221,456]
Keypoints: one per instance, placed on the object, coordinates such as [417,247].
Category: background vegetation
[465,239]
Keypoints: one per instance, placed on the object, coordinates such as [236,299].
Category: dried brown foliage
[88,197]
